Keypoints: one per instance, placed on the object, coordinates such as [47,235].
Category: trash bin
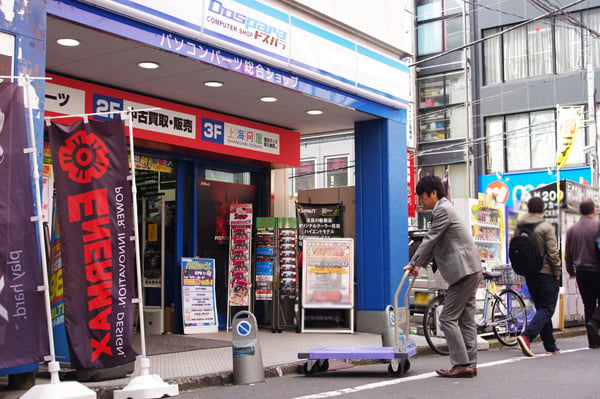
[247,358]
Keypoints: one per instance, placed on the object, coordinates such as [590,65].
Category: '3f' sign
[212,130]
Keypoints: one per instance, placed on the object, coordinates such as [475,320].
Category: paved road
[501,373]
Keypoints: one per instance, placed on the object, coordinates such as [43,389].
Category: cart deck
[378,353]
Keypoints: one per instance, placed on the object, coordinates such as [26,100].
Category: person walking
[582,262]
[544,285]
[450,244]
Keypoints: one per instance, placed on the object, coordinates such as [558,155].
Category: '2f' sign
[213,130]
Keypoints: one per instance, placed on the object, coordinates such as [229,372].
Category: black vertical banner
[93,199]
[23,329]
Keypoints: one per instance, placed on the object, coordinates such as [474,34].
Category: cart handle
[406,328]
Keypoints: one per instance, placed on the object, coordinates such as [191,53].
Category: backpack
[523,252]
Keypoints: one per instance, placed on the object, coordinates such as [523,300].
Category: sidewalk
[209,367]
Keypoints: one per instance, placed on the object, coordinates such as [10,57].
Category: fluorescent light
[148,65]
[213,83]
[268,99]
[314,112]
[68,42]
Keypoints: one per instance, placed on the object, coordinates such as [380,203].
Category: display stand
[264,268]
[240,268]
[286,312]
[198,296]
[328,278]
[153,262]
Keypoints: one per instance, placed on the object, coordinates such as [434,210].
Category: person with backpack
[450,245]
[544,283]
[583,263]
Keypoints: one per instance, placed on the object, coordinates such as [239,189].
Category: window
[494,131]
[569,57]
[337,171]
[439,26]
[492,56]
[530,140]
[305,175]
[540,48]
[591,19]
[441,106]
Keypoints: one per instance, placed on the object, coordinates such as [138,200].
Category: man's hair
[429,184]
[586,207]
[535,205]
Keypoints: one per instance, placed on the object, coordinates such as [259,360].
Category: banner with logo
[93,199]
[23,330]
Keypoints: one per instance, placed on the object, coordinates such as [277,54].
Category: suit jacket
[450,243]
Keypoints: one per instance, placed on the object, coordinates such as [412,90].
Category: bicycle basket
[435,281]
[509,277]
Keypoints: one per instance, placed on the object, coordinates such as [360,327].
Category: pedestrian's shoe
[556,351]
[458,372]
[524,344]
[593,336]
[594,346]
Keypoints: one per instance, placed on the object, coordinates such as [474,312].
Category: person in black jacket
[544,285]
[582,262]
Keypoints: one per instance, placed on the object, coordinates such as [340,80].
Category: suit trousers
[458,320]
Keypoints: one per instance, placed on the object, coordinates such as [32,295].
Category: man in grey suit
[451,246]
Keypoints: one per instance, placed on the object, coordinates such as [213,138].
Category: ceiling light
[314,112]
[68,42]
[268,99]
[148,65]
[213,83]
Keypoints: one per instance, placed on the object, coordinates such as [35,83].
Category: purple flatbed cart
[396,355]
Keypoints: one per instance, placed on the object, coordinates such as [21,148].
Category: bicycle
[507,319]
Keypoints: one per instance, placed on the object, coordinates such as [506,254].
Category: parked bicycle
[504,312]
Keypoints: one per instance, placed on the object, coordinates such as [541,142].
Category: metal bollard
[247,358]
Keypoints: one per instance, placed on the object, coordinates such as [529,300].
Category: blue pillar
[381,214]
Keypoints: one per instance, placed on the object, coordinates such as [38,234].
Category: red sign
[175,125]
[411,174]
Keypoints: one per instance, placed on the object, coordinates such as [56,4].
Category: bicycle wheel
[431,326]
[509,316]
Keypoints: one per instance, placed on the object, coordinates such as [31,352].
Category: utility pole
[469,133]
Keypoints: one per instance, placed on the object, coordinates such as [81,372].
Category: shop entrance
[155,182]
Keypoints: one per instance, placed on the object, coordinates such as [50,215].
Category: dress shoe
[458,372]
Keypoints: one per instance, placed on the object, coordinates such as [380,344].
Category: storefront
[185,183]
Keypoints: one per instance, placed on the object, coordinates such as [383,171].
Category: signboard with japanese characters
[328,273]
[199,300]
[175,125]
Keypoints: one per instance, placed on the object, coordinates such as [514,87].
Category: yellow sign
[569,119]
[152,232]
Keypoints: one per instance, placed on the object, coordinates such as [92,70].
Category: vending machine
[485,218]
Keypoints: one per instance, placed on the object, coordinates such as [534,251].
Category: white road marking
[395,381]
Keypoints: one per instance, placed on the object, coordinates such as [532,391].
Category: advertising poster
[328,276]
[23,331]
[198,291]
[93,202]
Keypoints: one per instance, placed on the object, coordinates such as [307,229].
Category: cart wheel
[323,365]
[396,373]
[406,365]
[310,371]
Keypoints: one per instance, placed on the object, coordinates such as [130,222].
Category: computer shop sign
[508,188]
